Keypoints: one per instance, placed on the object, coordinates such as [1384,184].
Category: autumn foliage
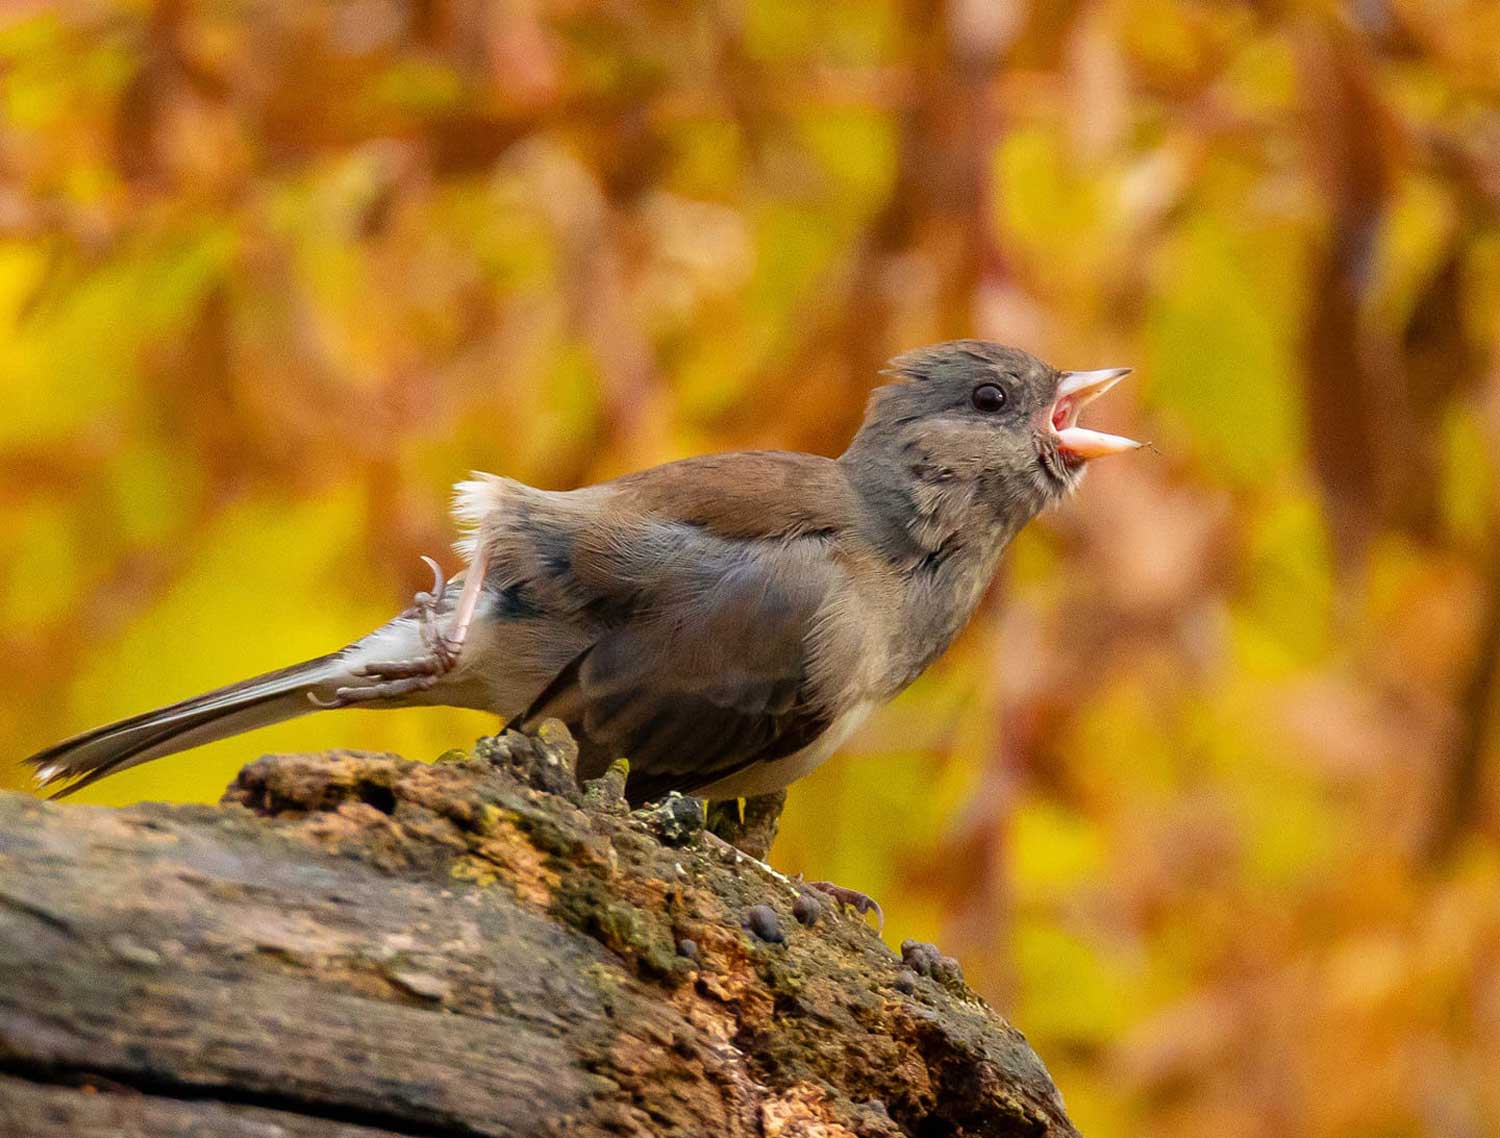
[1205,800]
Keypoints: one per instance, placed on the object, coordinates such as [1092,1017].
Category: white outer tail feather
[257,702]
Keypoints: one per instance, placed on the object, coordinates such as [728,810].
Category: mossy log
[355,946]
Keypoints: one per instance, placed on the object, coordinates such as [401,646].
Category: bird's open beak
[1075,390]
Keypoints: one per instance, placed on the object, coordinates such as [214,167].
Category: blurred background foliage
[1206,799]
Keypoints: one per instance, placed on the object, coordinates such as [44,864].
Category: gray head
[973,438]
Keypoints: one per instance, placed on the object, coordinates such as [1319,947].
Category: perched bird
[723,622]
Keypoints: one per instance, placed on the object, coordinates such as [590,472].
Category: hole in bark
[383,798]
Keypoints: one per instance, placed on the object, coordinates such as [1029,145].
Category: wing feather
[712,673]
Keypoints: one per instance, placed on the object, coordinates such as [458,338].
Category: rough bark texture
[749,823]
[356,945]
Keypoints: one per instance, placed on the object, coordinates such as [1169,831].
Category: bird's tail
[284,694]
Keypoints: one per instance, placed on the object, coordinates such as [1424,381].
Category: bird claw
[439,581]
[391,678]
[444,649]
[424,603]
[862,903]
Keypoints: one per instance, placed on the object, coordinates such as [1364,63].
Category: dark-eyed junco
[723,622]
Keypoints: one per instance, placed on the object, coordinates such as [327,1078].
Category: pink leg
[468,597]
[390,678]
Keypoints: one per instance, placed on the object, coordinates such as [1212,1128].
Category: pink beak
[1075,390]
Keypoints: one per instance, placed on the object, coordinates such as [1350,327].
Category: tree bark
[355,945]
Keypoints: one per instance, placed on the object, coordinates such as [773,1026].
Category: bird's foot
[350,694]
[388,679]
[862,903]
[443,649]
[843,898]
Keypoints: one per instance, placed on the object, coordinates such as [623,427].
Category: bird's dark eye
[988,397]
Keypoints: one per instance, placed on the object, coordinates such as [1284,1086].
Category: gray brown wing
[710,671]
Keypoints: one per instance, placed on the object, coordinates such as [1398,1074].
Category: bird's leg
[390,678]
[850,898]
[468,597]
[748,823]
[443,648]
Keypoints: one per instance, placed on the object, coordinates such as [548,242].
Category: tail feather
[270,698]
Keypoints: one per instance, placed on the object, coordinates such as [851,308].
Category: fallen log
[358,946]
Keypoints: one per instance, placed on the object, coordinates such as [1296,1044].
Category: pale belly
[766,778]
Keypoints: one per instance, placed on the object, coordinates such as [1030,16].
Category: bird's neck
[917,515]
[944,544]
